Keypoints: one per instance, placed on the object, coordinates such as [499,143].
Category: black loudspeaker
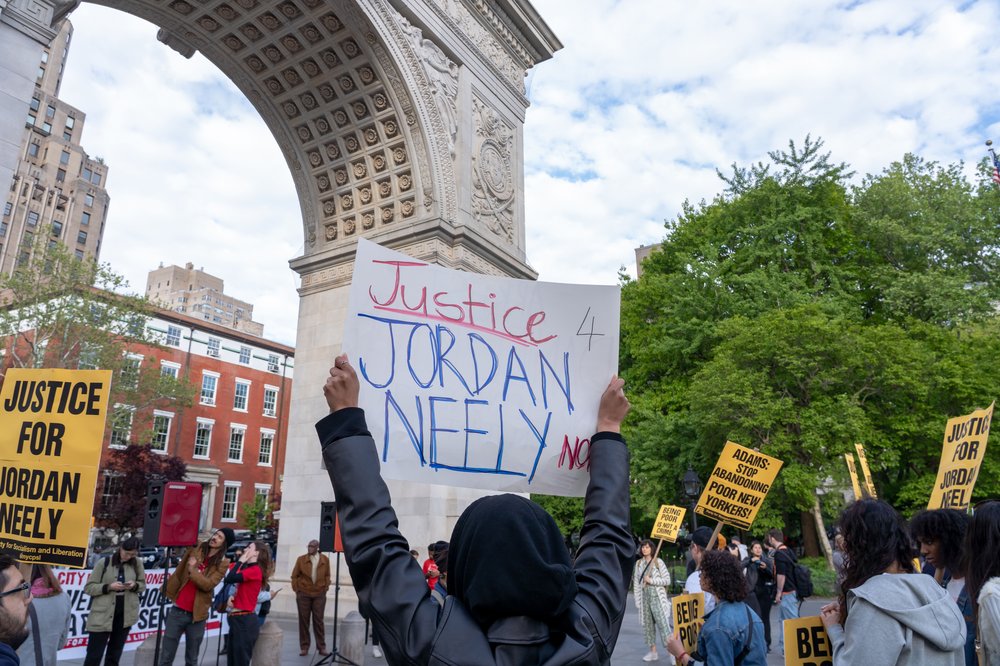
[151,517]
[329,529]
[173,511]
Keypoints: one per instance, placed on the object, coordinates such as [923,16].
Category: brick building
[233,436]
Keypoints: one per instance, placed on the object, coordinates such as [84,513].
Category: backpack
[220,603]
[801,576]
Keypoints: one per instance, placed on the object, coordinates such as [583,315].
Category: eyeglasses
[24,587]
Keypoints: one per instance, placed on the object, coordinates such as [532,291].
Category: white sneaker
[651,656]
[376,652]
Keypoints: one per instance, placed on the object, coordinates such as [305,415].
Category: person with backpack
[886,613]
[785,596]
[114,586]
[732,633]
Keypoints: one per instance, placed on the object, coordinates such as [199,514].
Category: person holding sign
[699,546]
[513,597]
[650,579]
[115,585]
[732,633]
[982,569]
[883,615]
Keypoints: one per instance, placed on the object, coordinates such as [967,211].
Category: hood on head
[916,601]
[507,559]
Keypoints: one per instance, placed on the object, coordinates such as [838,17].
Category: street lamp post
[692,489]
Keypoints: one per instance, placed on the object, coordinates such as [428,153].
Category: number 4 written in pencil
[590,335]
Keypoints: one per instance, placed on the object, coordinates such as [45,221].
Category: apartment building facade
[201,295]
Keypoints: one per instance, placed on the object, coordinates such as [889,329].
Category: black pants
[113,641]
[243,632]
[765,598]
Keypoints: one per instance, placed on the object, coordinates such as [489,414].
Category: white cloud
[630,119]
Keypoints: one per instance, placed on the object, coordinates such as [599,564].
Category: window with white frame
[170,368]
[270,400]
[161,430]
[203,438]
[237,433]
[88,357]
[111,491]
[214,344]
[245,355]
[262,490]
[272,362]
[241,395]
[209,385]
[266,447]
[230,496]
[128,374]
[174,336]
[121,426]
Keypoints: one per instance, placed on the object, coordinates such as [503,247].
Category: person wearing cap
[190,587]
[513,595]
[699,544]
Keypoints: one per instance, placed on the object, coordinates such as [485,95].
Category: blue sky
[628,121]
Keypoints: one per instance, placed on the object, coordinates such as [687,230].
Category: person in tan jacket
[311,580]
[190,588]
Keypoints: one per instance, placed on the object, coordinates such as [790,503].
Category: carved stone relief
[493,171]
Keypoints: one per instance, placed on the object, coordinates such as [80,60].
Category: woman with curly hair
[250,573]
[886,614]
[982,578]
[650,579]
[940,534]
[732,631]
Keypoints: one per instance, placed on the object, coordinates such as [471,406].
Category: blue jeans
[181,622]
[789,610]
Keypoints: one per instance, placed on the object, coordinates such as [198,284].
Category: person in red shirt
[250,574]
[431,571]
[190,588]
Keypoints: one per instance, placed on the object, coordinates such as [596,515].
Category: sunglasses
[24,587]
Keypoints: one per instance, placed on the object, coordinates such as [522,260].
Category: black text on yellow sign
[668,523]
[855,484]
[738,485]
[688,610]
[807,643]
[51,429]
[965,439]
[863,459]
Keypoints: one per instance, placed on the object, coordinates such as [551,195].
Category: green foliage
[798,315]
[823,578]
[257,515]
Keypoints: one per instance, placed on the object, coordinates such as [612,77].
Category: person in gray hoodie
[886,614]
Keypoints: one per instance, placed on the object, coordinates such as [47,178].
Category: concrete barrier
[267,650]
[146,652]
[352,638]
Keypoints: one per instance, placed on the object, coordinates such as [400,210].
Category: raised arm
[391,589]
[605,557]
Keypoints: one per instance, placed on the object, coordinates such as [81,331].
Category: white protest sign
[479,381]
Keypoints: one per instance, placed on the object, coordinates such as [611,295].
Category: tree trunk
[824,542]
[810,545]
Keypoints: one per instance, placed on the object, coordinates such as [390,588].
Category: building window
[241,395]
[230,495]
[170,369]
[121,426]
[78,254]
[3,229]
[111,491]
[87,173]
[70,122]
[128,375]
[96,180]
[61,175]
[272,363]
[270,400]
[236,435]
[57,228]
[174,336]
[261,490]
[32,218]
[7,207]
[50,112]
[244,354]
[203,438]
[161,431]
[88,200]
[64,157]
[35,103]
[47,128]
[33,149]
[85,219]
[81,238]
[209,383]
[266,447]
[213,347]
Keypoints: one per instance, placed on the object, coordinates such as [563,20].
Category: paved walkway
[629,651]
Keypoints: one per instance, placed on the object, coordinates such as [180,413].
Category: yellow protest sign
[869,484]
[738,485]
[668,523]
[806,642]
[963,452]
[689,611]
[855,484]
[51,430]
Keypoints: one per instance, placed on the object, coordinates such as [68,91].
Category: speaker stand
[159,616]
[335,657]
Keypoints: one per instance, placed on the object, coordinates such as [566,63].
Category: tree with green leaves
[798,314]
[257,515]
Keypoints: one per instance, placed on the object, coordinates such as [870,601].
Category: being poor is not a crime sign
[51,429]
